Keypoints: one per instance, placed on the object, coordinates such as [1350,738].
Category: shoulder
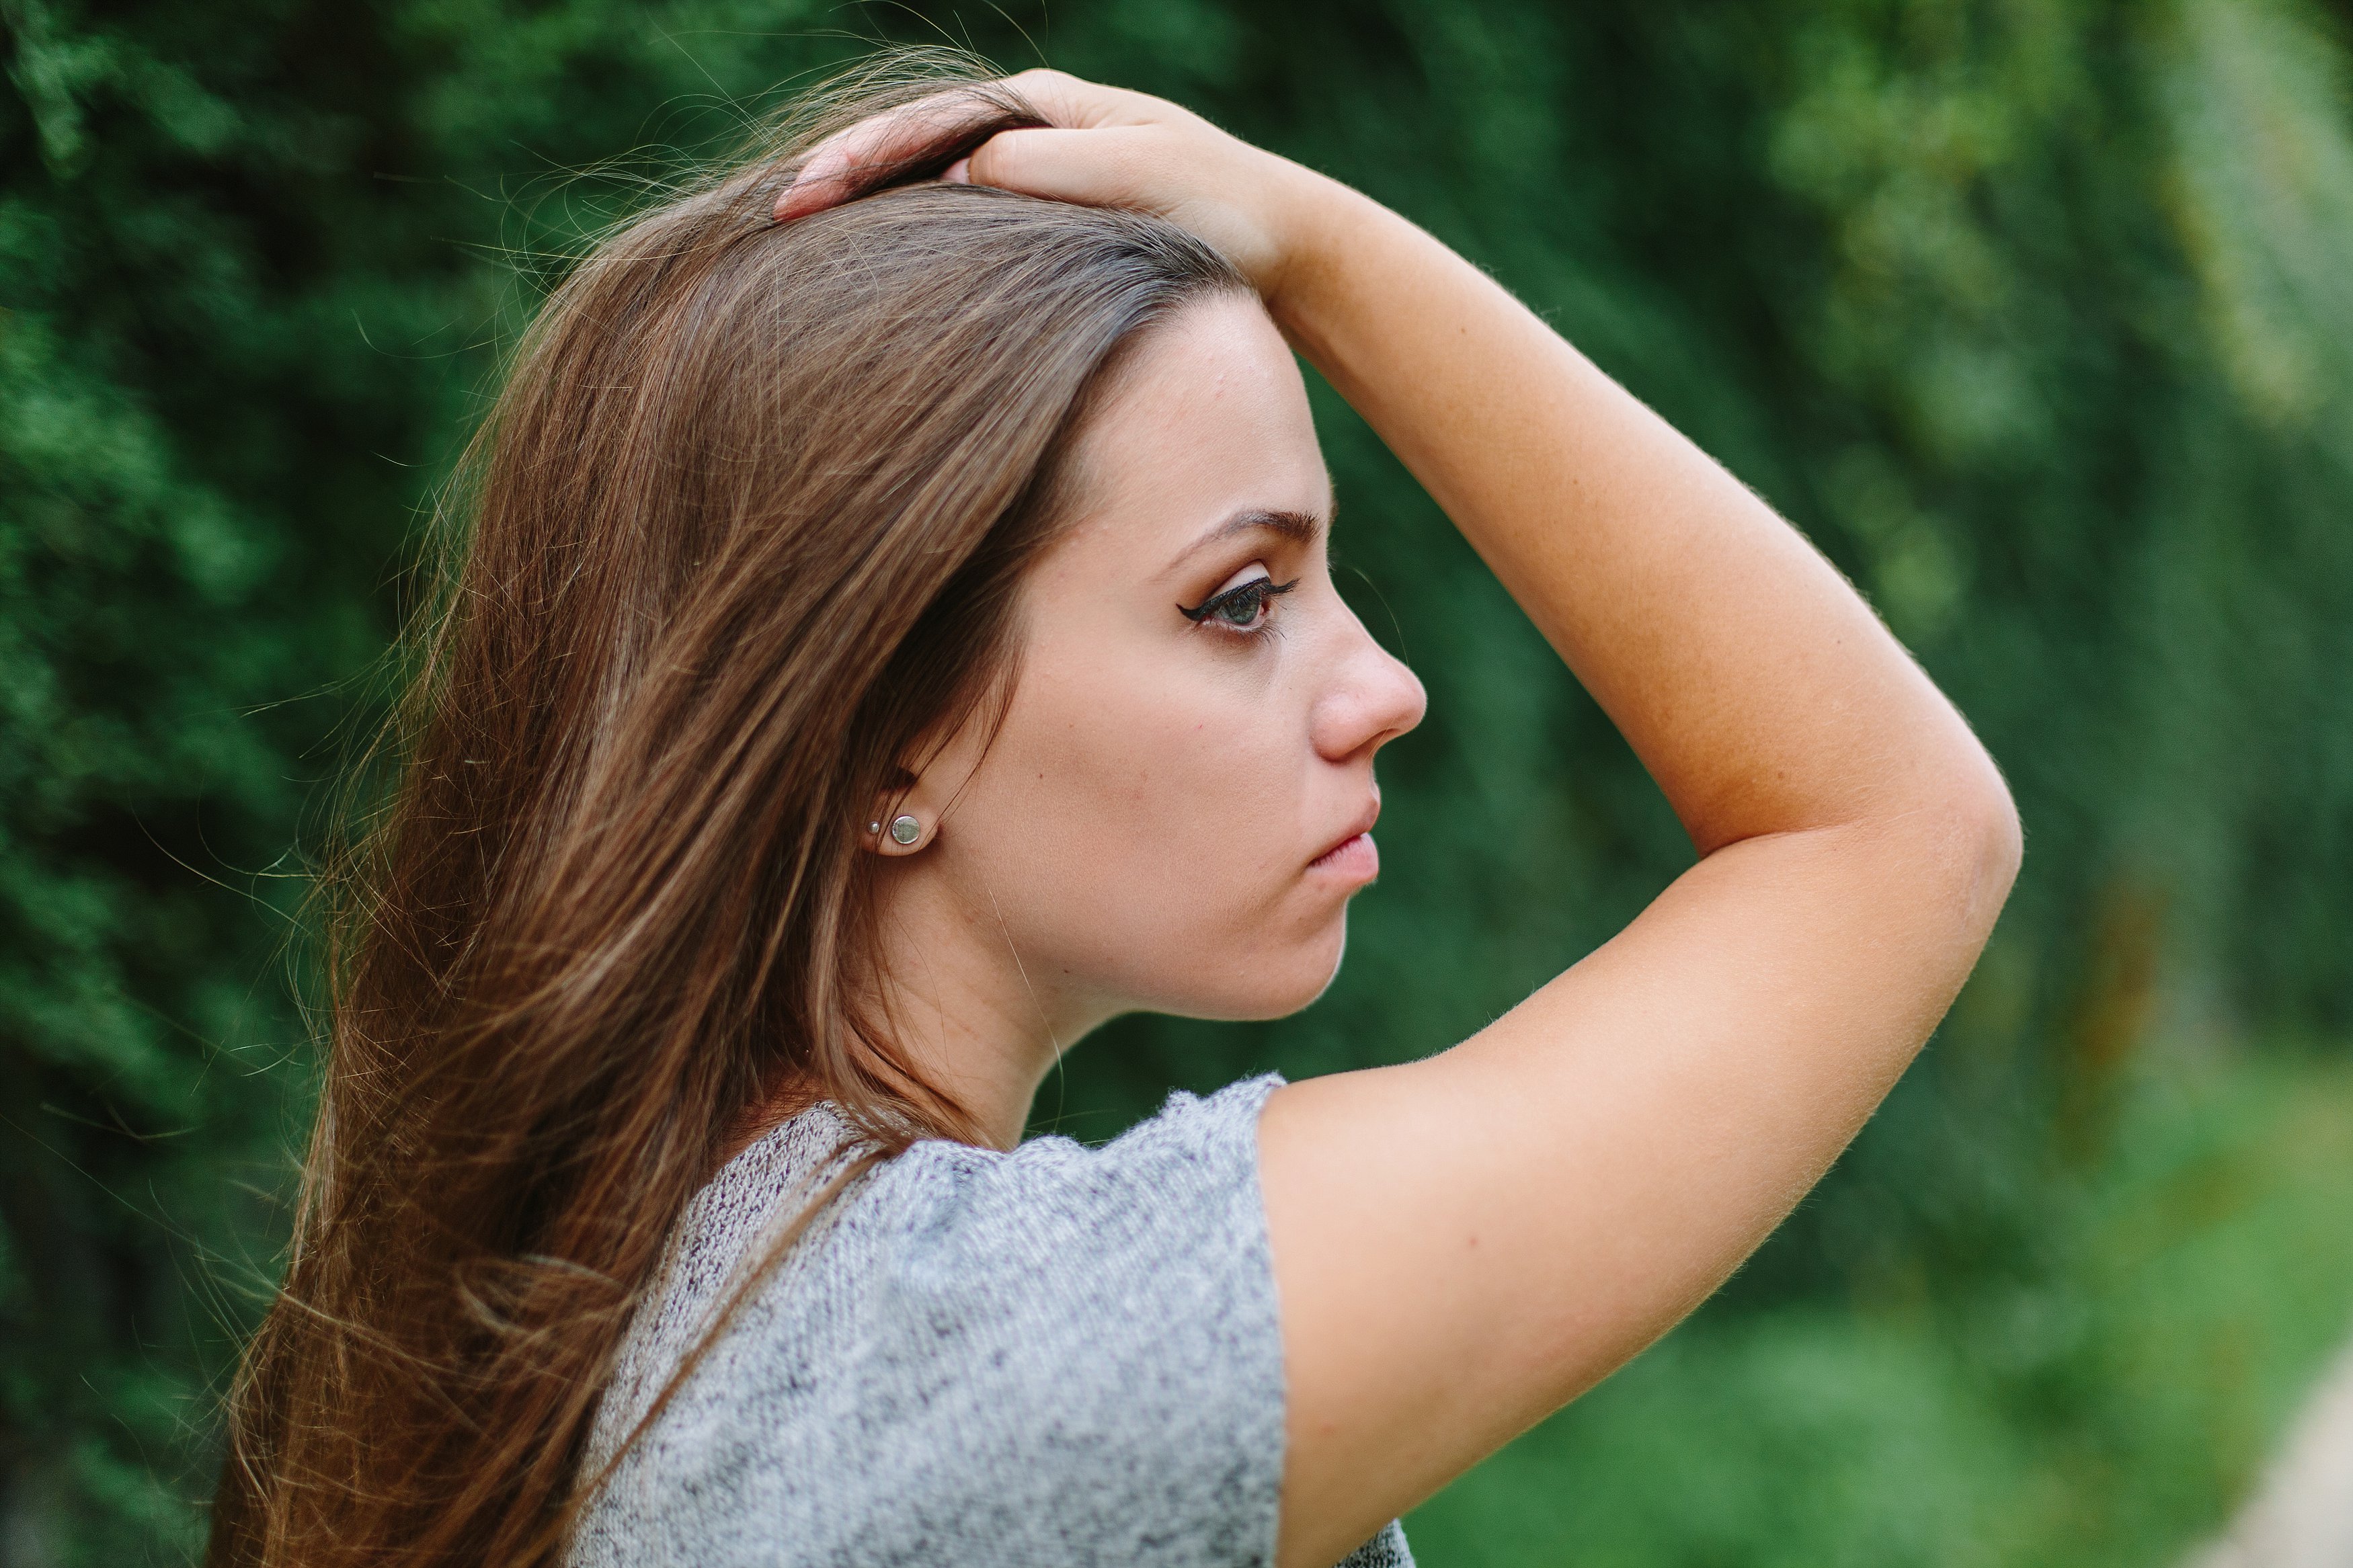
[1057,1353]
[1146,1256]
[1175,1176]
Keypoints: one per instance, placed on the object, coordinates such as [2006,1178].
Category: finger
[1108,167]
[1073,103]
[831,172]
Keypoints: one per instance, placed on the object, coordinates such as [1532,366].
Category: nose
[1370,698]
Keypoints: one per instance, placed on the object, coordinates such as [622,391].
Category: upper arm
[1463,1244]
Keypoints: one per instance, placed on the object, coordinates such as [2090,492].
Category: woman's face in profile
[1176,810]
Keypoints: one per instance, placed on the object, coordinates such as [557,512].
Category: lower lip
[1355,860]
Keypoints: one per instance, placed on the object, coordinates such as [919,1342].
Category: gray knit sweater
[1060,1355]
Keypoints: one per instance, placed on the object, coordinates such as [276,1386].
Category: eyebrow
[1301,527]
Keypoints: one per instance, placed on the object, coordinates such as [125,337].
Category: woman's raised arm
[1465,1243]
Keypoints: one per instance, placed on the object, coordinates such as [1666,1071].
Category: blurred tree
[2032,312]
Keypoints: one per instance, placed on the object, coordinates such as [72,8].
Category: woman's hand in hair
[1101,146]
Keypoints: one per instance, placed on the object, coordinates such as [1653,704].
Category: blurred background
[2037,315]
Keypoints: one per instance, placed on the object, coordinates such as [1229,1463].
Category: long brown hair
[744,530]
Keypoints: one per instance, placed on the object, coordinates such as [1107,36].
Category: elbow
[1988,839]
[2006,847]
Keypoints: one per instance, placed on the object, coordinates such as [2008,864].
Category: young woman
[895,637]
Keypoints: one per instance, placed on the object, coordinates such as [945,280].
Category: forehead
[1207,419]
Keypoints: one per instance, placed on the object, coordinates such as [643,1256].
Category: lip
[1353,852]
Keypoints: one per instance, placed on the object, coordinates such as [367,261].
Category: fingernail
[959,172]
[813,175]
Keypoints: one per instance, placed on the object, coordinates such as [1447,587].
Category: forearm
[1761,692]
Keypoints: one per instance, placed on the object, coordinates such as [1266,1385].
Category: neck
[966,1013]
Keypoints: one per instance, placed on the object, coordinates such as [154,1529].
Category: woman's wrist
[1304,214]
[1326,235]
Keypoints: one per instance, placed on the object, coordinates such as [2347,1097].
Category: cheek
[1153,814]
[1162,774]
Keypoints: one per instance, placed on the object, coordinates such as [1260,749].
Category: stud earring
[906,829]
[874,827]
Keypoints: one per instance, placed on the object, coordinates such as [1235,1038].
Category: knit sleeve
[1084,1349]
[1058,1357]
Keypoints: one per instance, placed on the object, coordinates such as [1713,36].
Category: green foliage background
[2033,313]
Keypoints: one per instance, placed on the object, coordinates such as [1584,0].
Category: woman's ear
[899,823]
[896,830]
[905,819]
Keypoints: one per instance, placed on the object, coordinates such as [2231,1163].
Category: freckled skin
[1116,682]
[1140,831]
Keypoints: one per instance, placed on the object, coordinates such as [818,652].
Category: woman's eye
[1242,607]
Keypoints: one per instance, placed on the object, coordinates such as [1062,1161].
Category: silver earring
[906,829]
[874,827]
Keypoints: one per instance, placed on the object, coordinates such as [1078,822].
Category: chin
[1289,982]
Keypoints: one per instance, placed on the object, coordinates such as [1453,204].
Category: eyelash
[1258,591]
